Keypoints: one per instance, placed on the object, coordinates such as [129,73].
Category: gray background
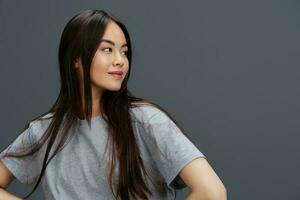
[228,71]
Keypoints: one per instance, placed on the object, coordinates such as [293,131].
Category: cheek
[100,63]
[127,66]
[99,71]
[100,59]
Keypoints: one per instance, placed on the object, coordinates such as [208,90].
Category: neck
[96,100]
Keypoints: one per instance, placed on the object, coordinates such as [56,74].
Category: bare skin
[198,174]
[108,57]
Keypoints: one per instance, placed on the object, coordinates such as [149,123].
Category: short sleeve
[24,169]
[173,151]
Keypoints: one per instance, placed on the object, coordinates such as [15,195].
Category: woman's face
[110,56]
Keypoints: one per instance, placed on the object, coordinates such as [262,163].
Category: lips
[116,72]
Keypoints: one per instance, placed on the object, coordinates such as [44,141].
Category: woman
[98,141]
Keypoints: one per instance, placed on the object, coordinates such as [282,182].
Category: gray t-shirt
[80,170]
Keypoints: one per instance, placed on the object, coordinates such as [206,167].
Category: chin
[115,89]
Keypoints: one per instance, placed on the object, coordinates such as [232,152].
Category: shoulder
[147,113]
[41,120]
[39,125]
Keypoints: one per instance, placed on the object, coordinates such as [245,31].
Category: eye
[107,48]
[125,53]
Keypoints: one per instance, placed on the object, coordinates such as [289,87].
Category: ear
[77,63]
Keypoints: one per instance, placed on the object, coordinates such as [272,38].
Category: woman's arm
[203,181]
[6,177]
[4,195]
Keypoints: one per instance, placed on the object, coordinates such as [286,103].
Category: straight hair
[80,38]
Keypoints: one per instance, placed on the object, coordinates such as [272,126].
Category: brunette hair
[80,38]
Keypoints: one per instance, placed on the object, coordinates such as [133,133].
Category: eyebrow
[112,43]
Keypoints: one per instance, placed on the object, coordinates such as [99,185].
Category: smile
[116,76]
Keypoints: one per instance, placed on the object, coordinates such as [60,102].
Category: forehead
[114,33]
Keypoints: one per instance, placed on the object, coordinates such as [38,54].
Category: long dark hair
[80,38]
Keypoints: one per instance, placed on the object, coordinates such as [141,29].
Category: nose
[119,60]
